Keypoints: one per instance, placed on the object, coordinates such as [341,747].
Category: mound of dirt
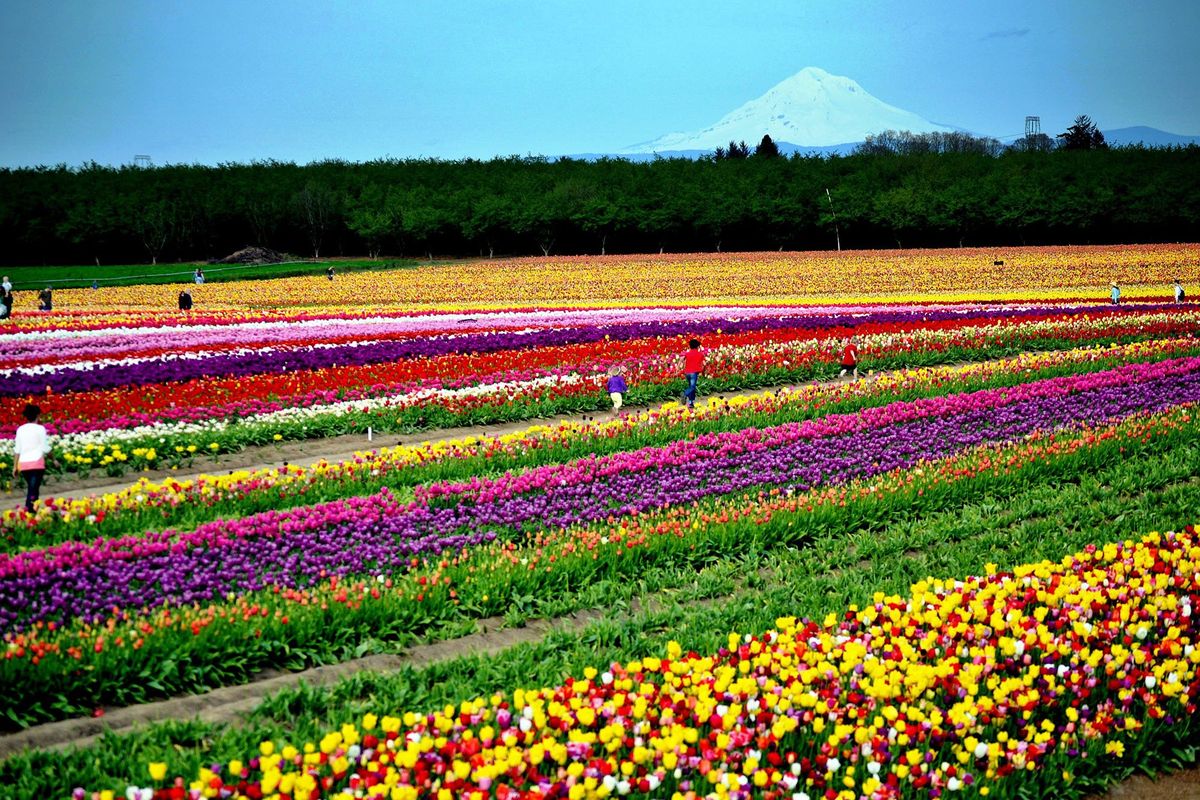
[251,255]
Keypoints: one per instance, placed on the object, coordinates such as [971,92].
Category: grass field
[28,278]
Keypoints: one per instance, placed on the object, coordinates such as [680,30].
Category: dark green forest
[522,206]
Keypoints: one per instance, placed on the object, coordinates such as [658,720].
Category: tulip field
[970,572]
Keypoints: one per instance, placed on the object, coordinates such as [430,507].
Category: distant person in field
[1179,293]
[46,299]
[95,285]
[329,272]
[616,387]
[1116,295]
[849,357]
[185,300]
[693,365]
[6,303]
[30,448]
[6,285]
[199,276]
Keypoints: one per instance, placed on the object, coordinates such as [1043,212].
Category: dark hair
[694,343]
[31,412]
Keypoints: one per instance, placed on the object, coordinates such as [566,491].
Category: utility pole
[836,232]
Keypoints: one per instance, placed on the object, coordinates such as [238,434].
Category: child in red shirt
[849,358]
[693,365]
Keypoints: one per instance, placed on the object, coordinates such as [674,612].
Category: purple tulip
[377,534]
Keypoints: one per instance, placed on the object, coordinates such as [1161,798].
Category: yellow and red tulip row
[951,690]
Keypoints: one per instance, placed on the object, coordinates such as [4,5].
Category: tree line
[893,192]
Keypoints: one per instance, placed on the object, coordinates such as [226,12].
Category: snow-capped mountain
[811,108]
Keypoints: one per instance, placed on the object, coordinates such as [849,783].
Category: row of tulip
[314,353]
[380,534]
[108,441]
[148,505]
[961,687]
[136,655]
[65,345]
[722,277]
[148,614]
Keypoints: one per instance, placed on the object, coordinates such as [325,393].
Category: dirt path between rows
[230,705]
[302,453]
[332,449]
[1181,785]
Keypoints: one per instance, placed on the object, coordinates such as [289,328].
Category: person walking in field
[31,446]
[6,286]
[199,276]
[1179,294]
[616,388]
[693,365]
[185,300]
[849,358]
[46,299]
[329,272]
[1116,295]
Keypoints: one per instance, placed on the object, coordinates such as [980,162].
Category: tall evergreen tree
[767,147]
[736,150]
[1083,135]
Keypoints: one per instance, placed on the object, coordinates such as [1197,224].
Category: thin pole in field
[836,232]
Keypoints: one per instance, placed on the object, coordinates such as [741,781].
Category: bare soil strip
[230,704]
[302,453]
[1181,785]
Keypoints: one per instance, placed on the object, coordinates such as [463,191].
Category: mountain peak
[814,74]
[811,108]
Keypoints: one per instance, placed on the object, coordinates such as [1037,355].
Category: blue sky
[208,81]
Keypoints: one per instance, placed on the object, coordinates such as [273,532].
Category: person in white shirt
[30,449]
[6,285]
[1178,292]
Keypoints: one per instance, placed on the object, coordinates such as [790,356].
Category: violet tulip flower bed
[377,535]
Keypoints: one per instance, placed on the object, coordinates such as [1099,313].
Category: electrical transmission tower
[141,161]
[1033,126]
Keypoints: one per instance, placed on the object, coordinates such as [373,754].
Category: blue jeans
[690,392]
[33,486]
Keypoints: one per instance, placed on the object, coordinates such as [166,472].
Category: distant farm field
[964,274]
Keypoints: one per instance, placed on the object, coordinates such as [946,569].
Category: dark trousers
[33,486]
